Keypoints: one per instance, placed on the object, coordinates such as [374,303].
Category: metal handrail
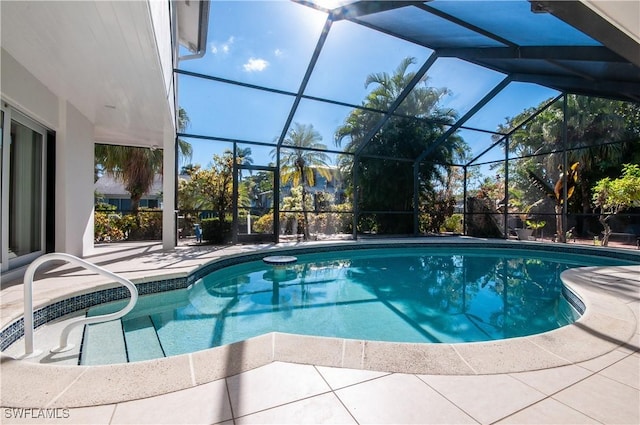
[64,336]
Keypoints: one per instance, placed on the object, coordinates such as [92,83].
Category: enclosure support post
[506,188]
[234,196]
[276,197]
[464,201]
[565,170]
[416,197]
[356,158]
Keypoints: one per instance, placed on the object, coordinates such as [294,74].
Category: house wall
[74,178]
[75,135]
[161,17]
[74,153]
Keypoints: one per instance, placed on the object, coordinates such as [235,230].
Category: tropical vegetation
[611,196]
[384,164]
[298,164]
[601,134]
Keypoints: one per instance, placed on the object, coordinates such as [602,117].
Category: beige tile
[203,404]
[550,381]
[626,371]
[33,385]
[633,345]
[601,362]
[321,409]
[486,397]
[413,358]
[308,349]
[220,362]
[400,399]
[273,385]
[97,415]
[603,399]
[352,355]
[548,412]
[121,382]
[506,356]
[586,343]
[340,378]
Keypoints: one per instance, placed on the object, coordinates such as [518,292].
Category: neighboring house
[75,74]
[110,190]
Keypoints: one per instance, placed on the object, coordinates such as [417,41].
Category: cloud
[254,65]
[224,47]
[278,53]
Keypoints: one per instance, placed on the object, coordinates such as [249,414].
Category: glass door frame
[261,237]
[10,115]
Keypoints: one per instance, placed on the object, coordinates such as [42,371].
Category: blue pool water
[401,294]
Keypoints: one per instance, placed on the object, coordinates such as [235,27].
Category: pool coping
[608,323]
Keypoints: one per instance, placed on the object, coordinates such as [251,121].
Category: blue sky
[269,43]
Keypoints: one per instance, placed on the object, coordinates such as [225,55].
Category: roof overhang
[101,57]
[616,24]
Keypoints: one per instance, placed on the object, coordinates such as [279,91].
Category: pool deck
[585,373]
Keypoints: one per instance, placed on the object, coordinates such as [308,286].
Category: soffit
[101,56]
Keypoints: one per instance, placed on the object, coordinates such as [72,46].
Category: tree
[611,196]
[185,150]
[600,133]
[298,163]
[212,188]
[137,167]
[387,184]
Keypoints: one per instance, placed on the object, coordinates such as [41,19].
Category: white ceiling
[99,55]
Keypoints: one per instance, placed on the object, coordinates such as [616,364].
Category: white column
[168,191]
[74,182]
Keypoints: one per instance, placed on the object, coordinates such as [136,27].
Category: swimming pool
[416,295]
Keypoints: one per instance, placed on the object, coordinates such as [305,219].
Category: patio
[604,389]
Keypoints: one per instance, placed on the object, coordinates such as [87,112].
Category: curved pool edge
[608,324]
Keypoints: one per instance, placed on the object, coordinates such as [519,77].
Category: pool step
[142,339]
[103,343]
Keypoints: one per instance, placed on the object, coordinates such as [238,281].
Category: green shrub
[107,227]
[146,226]
[453,223]
[264,224]
[112,227]
[215,231]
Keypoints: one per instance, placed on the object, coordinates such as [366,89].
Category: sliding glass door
[23,146]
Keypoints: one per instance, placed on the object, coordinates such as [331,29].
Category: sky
[269,43]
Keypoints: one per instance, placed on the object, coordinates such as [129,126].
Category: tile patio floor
[604,390]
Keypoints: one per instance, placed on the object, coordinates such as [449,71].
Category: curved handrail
[64,336]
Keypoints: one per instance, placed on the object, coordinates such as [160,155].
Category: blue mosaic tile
[573,299]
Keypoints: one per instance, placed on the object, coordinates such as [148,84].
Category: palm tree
[298,163]
[136,167]
[185,150]
[386,184]
[601,133]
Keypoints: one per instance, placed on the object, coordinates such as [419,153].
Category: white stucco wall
[24,92]
[160,17]
[161,20]
[74,182]
[74,153]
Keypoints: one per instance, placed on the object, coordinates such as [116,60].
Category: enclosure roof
[565,45]
[272,65]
